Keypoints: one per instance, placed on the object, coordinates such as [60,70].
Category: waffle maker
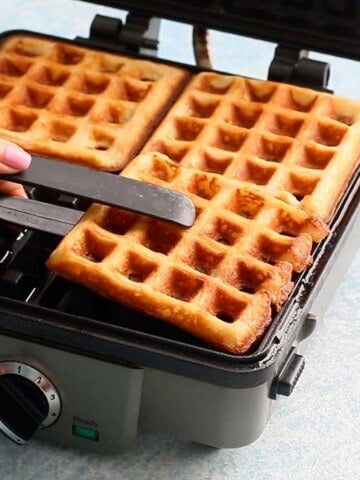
[80,371]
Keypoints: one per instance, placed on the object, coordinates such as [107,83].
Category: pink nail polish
[15,157]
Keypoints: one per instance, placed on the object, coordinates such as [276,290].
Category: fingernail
[15,157]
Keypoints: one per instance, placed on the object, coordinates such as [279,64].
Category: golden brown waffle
[78,104]
[218,279]
[274,135]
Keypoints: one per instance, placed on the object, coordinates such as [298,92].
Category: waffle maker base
[109,379]
[113,381]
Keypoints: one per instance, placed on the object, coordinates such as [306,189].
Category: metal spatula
[92,185]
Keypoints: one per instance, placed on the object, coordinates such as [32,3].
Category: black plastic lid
[328,26]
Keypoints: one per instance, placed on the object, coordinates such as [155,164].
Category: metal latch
[138,34]
[292,65]
[288,377]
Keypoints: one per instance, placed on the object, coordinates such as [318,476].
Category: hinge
[292,65]
[138,34]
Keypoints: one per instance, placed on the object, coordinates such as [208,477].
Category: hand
[12,159]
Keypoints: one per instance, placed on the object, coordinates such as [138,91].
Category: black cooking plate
[329,26]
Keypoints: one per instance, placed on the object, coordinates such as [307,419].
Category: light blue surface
[314,434]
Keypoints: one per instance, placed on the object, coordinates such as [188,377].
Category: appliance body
[104,404]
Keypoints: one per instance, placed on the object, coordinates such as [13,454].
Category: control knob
[28,401]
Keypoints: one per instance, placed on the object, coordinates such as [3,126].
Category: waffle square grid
[79,104]
[219,279]
[274,135]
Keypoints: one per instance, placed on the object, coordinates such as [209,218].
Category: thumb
[13,158]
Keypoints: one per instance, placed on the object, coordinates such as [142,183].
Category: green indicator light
[85,432]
